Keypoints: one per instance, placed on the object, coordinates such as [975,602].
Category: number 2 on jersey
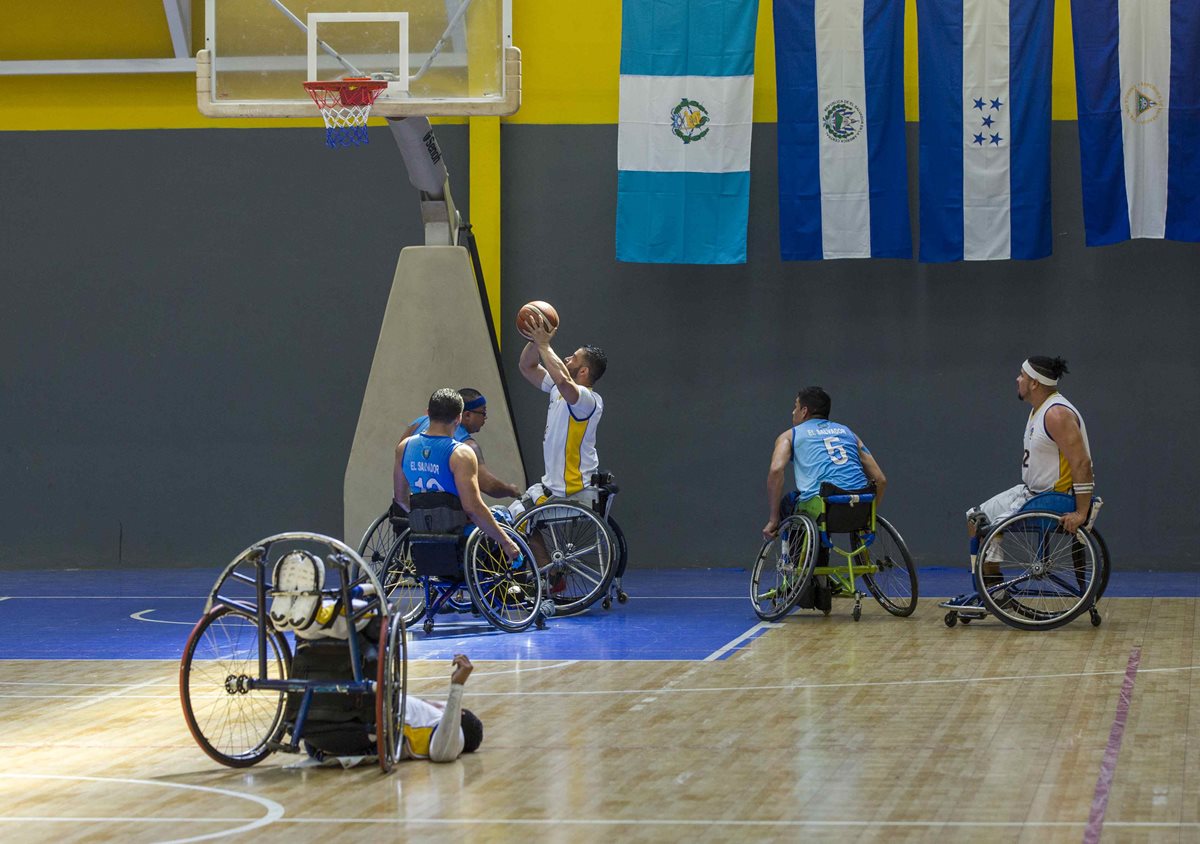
[428,485]
[837,452]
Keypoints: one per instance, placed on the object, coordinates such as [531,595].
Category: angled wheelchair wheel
[784,565]
[574,550]
[621,561]
[405,591]
[376,542]
[232,722]
[1033,575]
[894,585]
[391,691]
[508,594]
[1106,562]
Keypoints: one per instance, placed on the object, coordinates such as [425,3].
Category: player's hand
[462,669]
[539,331]
[770,530]
[1072,521]
[511,549]
[511,491]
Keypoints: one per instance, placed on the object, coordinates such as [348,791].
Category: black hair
[816,400]
[445,405]
[472,729]
[1050,367]
[469,394]
[597,362]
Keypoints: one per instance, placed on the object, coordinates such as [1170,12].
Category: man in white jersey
[1057,457]
[569,443]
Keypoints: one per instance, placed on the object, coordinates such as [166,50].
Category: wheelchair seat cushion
[1055,502]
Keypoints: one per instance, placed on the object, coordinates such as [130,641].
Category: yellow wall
[571,60]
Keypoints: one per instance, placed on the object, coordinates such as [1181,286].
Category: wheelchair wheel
[391,691]
[508,594]
[622,560]
[1038,576]
[404,590]
[233,723]
[574,550]
[376,542]
[894,586]
[1107,563]
[784,565]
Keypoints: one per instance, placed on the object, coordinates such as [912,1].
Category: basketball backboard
[440,57]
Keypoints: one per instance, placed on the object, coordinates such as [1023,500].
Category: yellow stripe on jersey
[418,740]
[1064,482]
[573,456]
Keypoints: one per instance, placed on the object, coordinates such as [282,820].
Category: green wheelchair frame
[876,552]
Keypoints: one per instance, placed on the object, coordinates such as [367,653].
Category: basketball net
[345,105]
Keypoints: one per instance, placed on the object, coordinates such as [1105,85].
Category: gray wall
[186,339]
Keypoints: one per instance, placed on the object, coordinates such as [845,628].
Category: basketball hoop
[345,105]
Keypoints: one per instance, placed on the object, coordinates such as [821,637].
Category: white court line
[730,645]
[5,597]
[89,700]
[274,810]
[138,616]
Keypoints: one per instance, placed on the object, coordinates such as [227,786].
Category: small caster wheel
[427,626]
[966,619]
[621,597]
[540,622]
[951,618]
[857,614]
[1096,619]
[606,603]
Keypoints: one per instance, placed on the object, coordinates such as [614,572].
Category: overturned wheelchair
[245,694]
[1031,573]
[795,568]
[439,563]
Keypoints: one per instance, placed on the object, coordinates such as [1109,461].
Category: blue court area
[676,614]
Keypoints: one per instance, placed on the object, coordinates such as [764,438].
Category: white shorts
[1005,504]
[537,494]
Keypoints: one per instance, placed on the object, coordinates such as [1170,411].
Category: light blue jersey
[461,434]
[825,452]
[427,464]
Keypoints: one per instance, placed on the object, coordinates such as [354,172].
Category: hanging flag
[683,140]
[843,174]
[1137,74]
[984,69]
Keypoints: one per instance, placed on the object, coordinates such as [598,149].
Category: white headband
[1028,369]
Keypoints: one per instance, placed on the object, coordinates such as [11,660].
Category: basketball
[531,310]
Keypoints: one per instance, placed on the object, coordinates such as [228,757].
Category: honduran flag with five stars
[984,69]
[1137,72]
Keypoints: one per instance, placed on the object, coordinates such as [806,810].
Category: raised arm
[531,366]
[780,457]
[874,473]
[1063,428]
[465,468]
[551,363]
[448,742]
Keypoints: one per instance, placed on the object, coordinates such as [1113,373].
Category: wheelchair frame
[242,591]
[843,578]
[1001,600]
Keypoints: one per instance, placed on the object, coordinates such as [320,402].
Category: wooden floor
[821,729]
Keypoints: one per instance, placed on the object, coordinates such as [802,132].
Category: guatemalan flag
[985,128]
[1137,73]
[683,141]
[843,176]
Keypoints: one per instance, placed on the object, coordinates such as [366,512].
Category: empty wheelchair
[1032,574]
[441,564]
[246,693]
[580,549]
[790,565]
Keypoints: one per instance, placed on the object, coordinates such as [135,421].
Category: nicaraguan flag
[984,69]
[683,141]
[843,174]
[1137,74]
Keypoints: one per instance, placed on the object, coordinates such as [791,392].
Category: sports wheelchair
[247,693]
[1039,575]
[789,565]
[583,549]
[441,563]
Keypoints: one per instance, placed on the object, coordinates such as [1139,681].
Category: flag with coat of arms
[984,68]
[1137,75]
[843,175]
[683,136]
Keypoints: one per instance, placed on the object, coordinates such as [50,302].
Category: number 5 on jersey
[837,452]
